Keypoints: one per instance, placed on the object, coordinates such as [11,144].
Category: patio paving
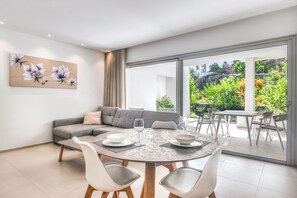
[239,142]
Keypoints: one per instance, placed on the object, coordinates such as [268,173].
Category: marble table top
[152,152]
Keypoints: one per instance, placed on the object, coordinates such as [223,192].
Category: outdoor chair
[276,119]
[266,117]
[192,183]
[260,108]
[207,118]
[109,178]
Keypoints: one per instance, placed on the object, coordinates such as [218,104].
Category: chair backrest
[280,118]
[200,114]
[164,125]
[267,114]
[260,108]
[207,181]
[96,174]
[211,110]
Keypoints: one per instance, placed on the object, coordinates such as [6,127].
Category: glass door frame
[290,41]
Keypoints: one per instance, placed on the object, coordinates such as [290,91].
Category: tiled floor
[239,142]
[35,173]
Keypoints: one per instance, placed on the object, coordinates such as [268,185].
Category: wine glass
[183,123]
[139,127]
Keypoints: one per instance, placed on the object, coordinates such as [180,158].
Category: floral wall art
[28,71]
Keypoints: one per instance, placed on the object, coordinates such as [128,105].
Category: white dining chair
[108,178]
[192,183]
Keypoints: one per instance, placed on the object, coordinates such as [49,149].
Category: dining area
[260,132]
[159,146]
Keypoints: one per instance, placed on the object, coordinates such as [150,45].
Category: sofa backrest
[150,117]
[107,114]
[125,118]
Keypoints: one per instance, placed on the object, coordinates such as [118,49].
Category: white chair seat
[121,175]
[191,183]
[181,181]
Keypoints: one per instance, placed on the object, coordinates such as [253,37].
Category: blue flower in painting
[60,73]
[16,59]
[33,72]
[71,82]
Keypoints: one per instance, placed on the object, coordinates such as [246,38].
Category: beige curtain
[114,79]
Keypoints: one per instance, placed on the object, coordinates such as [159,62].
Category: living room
[149,33]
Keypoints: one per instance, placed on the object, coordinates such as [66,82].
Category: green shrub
[164,102]
[275,89]
[239,67]
[223,95]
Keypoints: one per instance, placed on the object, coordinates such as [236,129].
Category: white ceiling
[113,24]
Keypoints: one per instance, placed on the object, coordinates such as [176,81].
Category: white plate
[122,144]
[192,145]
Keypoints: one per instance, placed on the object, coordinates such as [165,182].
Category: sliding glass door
[252,80]
[256,77]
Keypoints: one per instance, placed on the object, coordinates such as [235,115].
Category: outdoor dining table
[228,113]
[153,153]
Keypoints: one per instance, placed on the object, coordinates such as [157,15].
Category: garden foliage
[227,91]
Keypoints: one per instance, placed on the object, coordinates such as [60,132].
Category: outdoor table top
[238,113]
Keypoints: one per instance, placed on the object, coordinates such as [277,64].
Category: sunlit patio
[239,141]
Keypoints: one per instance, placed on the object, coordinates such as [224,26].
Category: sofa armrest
[67,121]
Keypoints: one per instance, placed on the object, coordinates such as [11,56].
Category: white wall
[26,114]
[262,27]
[145,84]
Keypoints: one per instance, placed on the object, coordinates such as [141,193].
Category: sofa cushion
[164,125]
[125,118]
[151,116]
[92,118]
[78,130]
[107,114]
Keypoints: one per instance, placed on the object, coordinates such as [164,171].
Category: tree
[215,67]
[261,67]
[239,67]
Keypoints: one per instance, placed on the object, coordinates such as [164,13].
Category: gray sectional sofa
[113,119]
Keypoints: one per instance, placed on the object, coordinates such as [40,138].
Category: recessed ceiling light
[1,23]
[82,44]
[49,35]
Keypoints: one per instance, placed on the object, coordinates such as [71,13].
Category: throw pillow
[92,118]
[164,125]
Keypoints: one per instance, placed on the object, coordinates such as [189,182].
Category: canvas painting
[29,71]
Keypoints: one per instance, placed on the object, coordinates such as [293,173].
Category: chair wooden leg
[89,191]
[173,196]
[129,192]
[212,195]
[171,166]
[115,195]
[104,195]
[125,163]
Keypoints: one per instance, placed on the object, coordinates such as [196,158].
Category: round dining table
[152,152]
